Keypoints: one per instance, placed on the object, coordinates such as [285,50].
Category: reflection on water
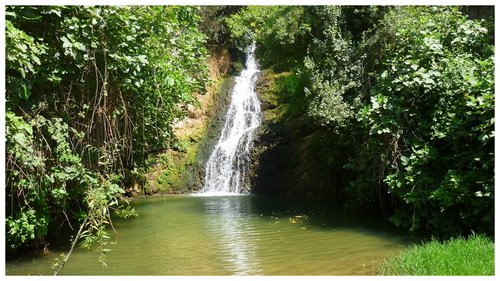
[228,222]
[230,235]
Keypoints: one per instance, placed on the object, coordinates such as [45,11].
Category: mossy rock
[289,151]
[181,169]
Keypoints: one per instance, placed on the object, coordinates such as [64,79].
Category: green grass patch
[457,256]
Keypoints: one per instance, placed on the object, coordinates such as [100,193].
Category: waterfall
[227,167]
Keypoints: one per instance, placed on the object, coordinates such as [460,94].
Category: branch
[72,247]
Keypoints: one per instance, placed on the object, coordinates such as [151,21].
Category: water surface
[231,235]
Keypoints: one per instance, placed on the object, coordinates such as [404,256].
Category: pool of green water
[231,235]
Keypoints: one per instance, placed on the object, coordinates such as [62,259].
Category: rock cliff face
[275,156]
[195,176]
[180,169]
[289,153]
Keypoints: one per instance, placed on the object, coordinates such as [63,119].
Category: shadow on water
[320,215]
[317,215]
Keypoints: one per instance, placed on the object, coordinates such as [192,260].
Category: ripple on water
[232,235]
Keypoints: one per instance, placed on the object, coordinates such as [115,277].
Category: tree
[91,91]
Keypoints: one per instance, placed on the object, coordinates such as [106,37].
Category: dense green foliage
[91,91]
[399,101]
[431,119]
[458,256]
[279,30]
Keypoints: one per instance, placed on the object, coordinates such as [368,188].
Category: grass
[457,256]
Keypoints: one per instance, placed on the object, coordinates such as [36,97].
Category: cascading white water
[227,167]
